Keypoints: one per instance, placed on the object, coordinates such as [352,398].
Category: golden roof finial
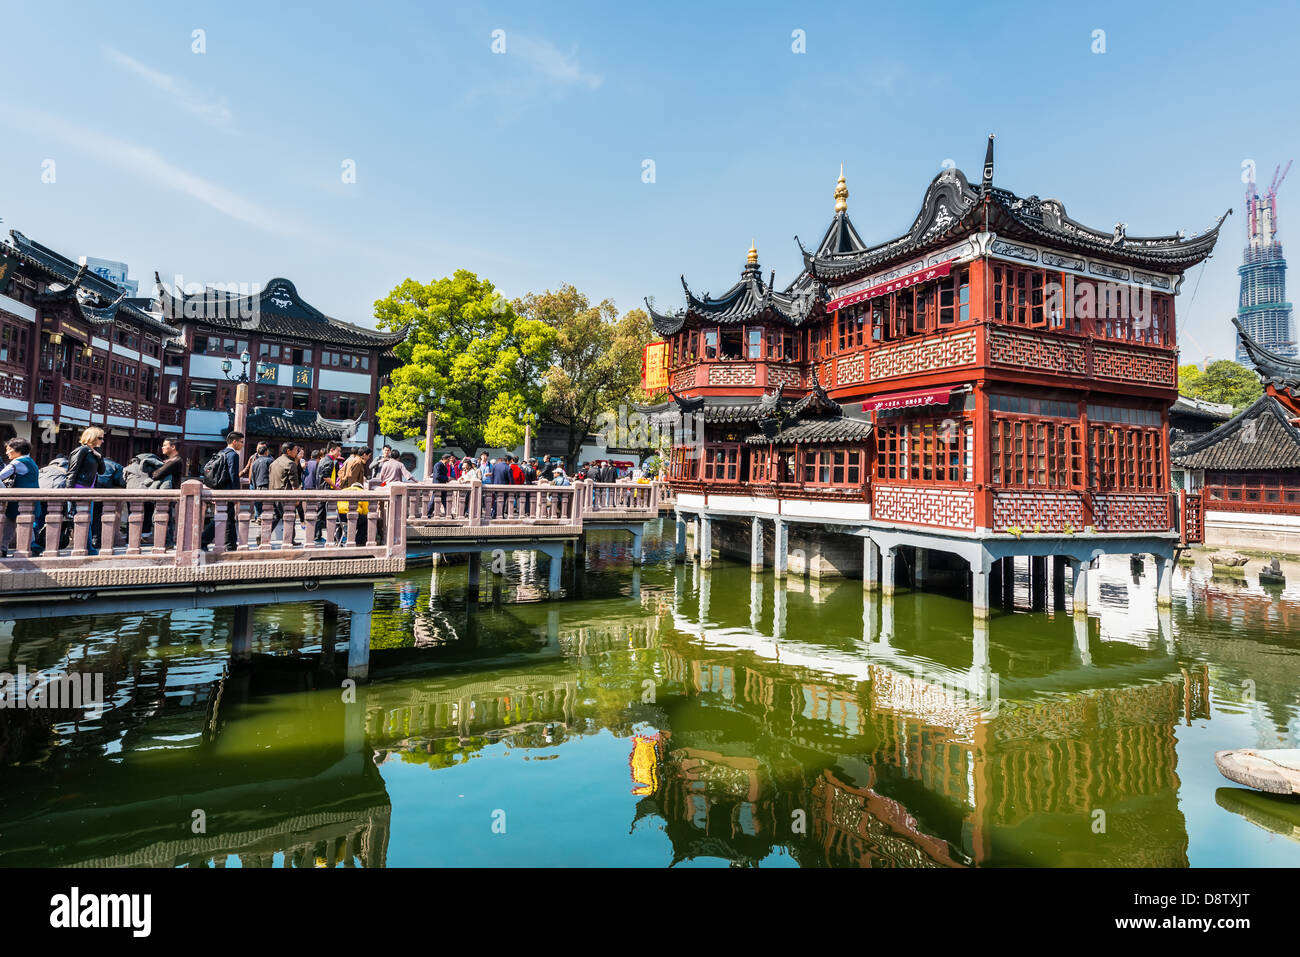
[752,258]
[841,193]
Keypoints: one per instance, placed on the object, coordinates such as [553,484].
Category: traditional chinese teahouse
[312,377]
[1245,474]
[995,382]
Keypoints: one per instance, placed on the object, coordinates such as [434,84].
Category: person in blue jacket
[21,472]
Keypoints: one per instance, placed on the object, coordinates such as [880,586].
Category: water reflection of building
[166,795]
[907,764]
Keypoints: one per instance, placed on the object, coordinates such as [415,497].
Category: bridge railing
[475,504]
[623,497]
[51,528]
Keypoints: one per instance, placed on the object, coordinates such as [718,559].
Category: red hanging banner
[908,400]
[880,289]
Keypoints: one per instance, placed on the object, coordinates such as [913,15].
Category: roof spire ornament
[841,193]
[752,257]
[987,182]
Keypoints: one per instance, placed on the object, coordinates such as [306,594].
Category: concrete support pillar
[1058,582]
[706,542]
[359,643]
[1009,582]
[995,581]
[980,676]
[870,602]
[553,575]
[329,637]
[1080,587]
[636,549]
[471,589]
[979,589]
[1038,582]
[1081,645]
[756,544]
[887,570]
[1164,581]
[706,584]
[920,567]
[780,549]
[679,551]
[241,634]
[870,566]
[1165,618]
[693,547]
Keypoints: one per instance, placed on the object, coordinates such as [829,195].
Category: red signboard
[654,368]
[880,289]
[908,400]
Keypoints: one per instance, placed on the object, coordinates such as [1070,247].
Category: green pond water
[665,716]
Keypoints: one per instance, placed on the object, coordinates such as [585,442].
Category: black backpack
[214,473]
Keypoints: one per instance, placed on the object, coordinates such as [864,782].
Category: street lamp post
[528,435]
[430,427]
[241,396]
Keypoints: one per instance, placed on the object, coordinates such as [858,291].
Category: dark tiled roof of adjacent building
[97,300]
[300,424]
[1261,438]
[813,431]
[278,310]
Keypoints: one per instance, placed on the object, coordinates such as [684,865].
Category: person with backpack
[221,472]
[22,472]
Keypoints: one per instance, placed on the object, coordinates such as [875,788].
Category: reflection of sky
[444,818]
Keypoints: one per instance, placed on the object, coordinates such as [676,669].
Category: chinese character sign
[655,367]
[302,376]
[268,372]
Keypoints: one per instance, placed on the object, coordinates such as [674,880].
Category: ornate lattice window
[1036,453]
[722,463]
[1018,297]
[831,466]
[926,450]
[1128,458]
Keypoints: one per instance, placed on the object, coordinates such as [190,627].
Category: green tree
[595,362]
[1220,381]
[467,346]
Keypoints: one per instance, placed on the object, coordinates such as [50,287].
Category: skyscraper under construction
[1263,310]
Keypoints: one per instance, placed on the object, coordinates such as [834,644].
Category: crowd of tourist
[294,467]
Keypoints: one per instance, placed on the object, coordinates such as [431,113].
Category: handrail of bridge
[51,528]
[477,504]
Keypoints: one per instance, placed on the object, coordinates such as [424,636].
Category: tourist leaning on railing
[21,472]
[84,468]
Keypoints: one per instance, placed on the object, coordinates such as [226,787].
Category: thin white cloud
[213,112]
[554,66]
[545,70]
[148,165]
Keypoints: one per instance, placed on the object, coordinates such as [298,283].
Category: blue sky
[526,166]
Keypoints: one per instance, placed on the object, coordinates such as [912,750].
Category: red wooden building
[75,350]
[998,371]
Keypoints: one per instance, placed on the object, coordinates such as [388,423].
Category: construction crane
[1271,195]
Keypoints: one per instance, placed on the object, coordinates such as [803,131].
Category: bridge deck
[194,536]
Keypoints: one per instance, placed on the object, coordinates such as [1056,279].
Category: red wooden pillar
[983,459]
